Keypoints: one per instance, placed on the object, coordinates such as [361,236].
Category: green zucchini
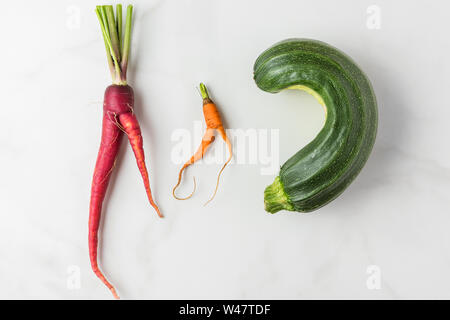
[324,168]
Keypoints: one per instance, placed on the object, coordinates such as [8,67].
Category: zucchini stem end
[275,199]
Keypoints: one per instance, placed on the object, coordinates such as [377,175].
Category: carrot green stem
[108,54]
[204,91]
[116,49]
[119,25]
[101,14]
[111,21]
[127,41]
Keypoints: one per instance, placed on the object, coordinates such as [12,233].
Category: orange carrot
[213,122]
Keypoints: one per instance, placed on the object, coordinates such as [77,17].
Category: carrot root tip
[189,196]
[157,211]
[114,293]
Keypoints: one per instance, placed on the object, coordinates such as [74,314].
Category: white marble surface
[395,215]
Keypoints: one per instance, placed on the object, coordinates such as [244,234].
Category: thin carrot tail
[100,275]
[131,127]
[187,164]
[207,139]
[93,243]
[230,150]
[144,174]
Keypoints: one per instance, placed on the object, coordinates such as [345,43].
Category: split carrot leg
[213,121]
[130,125]
[207,139]
[230,151]
[106,159]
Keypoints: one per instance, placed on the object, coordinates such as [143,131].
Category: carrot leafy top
[117,42]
